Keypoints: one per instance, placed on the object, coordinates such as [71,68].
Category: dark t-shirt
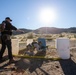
[8,28]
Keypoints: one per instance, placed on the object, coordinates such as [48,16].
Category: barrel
[29,41]
[15,46]
[63,47]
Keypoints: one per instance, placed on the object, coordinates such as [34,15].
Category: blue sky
[24,13]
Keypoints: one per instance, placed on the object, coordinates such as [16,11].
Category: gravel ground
[24,66]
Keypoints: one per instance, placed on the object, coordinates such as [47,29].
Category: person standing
[5,38]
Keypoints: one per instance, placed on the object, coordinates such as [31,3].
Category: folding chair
[43,43]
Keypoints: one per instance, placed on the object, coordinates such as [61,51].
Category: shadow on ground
[68,67]
[32,64]
[37,63]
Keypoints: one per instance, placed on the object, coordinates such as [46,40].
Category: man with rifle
[6,32]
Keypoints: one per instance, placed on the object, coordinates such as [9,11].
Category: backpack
[2,27]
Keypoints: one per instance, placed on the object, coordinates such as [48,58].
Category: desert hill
[48,30]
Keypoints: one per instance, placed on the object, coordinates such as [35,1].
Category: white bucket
[29,41]
[63,47]
[15,46]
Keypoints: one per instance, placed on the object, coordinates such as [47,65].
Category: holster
[6,37]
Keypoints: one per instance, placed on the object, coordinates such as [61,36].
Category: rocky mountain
[48,30]
[54,30]
[25,31]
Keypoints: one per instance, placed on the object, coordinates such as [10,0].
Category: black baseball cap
[8,18]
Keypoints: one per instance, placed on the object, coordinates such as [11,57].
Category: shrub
[49,39]
[74,36]
[61,35]
[30,36]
